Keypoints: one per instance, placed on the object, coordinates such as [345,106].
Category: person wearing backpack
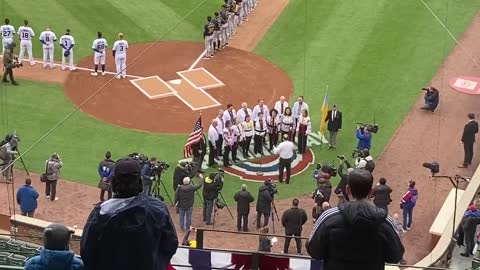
[365,161]
[53,166]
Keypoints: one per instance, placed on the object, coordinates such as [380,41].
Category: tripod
[23,163]
[156,189]
[216,210]
[274,211]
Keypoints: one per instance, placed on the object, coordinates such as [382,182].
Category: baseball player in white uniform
[26,33]
[99,46]
[120,54]
[8,31]
[48,38]
[67,42]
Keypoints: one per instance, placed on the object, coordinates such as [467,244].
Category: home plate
[177,82]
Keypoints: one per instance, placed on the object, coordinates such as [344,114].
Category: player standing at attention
[99,46]
[208,31]
[8,31]
[48,38]
[120,54]
[224,33]
[216,33]
[26,33]
[67,42]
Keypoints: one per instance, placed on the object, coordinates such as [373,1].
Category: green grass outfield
[375,55]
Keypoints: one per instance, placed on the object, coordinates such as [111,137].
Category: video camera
[272,187]
[371,128]
[16,63]
[160,166]
[139,157]
[433,166]
[326,168]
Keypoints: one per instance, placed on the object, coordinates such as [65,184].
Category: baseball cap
[127,166]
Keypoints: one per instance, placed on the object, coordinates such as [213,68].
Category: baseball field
[374,56]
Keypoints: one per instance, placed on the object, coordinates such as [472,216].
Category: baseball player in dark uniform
[9,63]
[208,32]
[216,34]
[224,33]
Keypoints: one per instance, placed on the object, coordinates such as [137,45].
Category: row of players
[223,26]
[66,42]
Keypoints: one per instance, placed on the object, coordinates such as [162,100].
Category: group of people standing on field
[233,129]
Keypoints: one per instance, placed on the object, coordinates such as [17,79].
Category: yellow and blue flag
[324,113]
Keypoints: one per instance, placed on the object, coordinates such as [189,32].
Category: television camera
[326,168]
[372,128]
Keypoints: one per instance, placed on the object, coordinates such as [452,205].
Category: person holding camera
[7,154]
[243,199]
[285,151]
[340,190]
[334,118]
[53,166]
[364,137]
[148,176]
[9,63]
[212,186]
[181,171]
[381,194]
[105,170]
[184,200]
[365,161]
[264,202]
[293,220]
[432,98]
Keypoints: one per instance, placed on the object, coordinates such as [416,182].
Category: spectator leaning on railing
[56,253]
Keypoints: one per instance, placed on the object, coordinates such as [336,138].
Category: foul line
[451,35]
[198,60]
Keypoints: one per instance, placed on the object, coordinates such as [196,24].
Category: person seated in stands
[56,253]
[131,230]
[432,98]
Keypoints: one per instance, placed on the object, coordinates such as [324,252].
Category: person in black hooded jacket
[264,203]
[357,234]
[131,230]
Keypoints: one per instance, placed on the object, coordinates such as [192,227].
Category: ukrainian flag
[324,113]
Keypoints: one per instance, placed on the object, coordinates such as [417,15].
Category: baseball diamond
[210,81]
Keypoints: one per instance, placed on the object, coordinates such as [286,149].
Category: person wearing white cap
[184,200]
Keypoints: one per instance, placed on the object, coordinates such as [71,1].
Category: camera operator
[212,186]
[181,171]
[340,190]
[7,153]
[9,63]
[264,202]
[364,137]
[432,98]
[148,176]
[365,161]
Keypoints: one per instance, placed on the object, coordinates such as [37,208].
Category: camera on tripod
[160,166]
[370,128]
[433,166]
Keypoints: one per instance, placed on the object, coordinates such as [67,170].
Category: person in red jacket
[409,201]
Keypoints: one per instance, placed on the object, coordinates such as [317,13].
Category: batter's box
[200,78]
[154,87]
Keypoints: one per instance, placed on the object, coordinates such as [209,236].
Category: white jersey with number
[8,31]
[67,41]
[120,47]
[48,38]
[25,33]
[100,44]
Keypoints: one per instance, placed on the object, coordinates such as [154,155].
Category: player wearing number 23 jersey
[8,31]
[67,42]
[99,46]
[120,54]
[48,38]
[26,33]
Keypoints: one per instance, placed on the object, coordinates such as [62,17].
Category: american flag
[195,137]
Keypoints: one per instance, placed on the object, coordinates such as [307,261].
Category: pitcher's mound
[164,93]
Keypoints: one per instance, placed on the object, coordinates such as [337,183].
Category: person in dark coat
[356,234]
[27,198]
[293,220]
[199,152]
[184,199]
[56,253]
[334,119]
[264,242]
[243,199]
[211,188]
[470,223]
[381,194]
[468,139]
[432,98]
[179,174]
[150,240]
[340,190]
[264,203]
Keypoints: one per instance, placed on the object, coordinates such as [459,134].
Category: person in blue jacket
[27,198]
[56,253]
[131,230]
[364,138]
